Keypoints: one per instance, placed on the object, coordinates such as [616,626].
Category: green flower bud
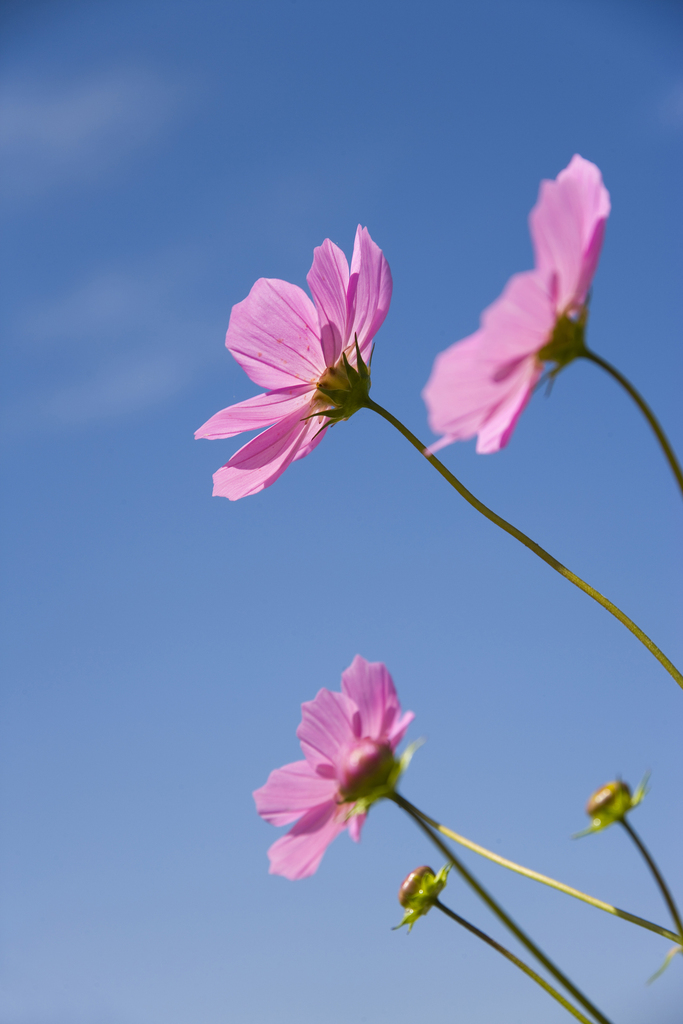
[612,800]
[611,803]
[419,892]
[413,884]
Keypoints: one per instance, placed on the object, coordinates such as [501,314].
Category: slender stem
[529,543]
[498,910]
[513,959]
[537,877]
[647,412]
[668,898]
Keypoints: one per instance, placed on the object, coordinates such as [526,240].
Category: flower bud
[611,803]
[419,892]
[613,799]
[413,884]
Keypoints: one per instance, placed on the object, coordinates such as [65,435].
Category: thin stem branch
[668,898]
[513,959]
[647,412]
[546,880]
[498,910]
[530,544]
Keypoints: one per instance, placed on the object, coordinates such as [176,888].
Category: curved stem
[531,544]
[668,898]
[537,877]
[497,909]
[513,959]
[647,412]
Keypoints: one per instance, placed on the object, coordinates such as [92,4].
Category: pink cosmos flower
[287,344]
[348,740]
[481,385]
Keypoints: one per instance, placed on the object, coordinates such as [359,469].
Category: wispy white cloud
[112,346]
[114,388]
[671,108]
[51,136]
[104,310]
[119,387]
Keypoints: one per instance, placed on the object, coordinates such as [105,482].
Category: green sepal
[642,789]
[667,960]
[331,413]
[420,903]
[408,754]
[618,809]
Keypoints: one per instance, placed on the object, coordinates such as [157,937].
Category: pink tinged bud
[413,885]
[419,892]
[613,798]
[364,767]
[611,803]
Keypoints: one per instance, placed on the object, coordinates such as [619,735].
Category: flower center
[334,378]
[343,389]
[567,340]
[365,766]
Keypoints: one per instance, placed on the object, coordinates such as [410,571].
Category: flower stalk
[513,959]
[647,412]
[536,876]
[529,543]
[659,878]
[502,916]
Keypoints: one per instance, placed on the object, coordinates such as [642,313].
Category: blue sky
[157,643]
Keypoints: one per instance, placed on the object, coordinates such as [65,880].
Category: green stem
[647,412]
[668,898]
[537,877]
[513,959]
[529,543]
[498,910]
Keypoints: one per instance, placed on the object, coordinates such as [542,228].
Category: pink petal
[299,853]
[590,261]
[497,430]
[372,690]
[292,791]
[398,729]
[459,392]
[327,726]
[482,383]
[370,288]
[328,280]
[262,460]
[520,321]
[256,412]
[355,824]
[317,437]
[567,226]
[273,335]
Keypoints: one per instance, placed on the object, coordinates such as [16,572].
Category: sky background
[157,643]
